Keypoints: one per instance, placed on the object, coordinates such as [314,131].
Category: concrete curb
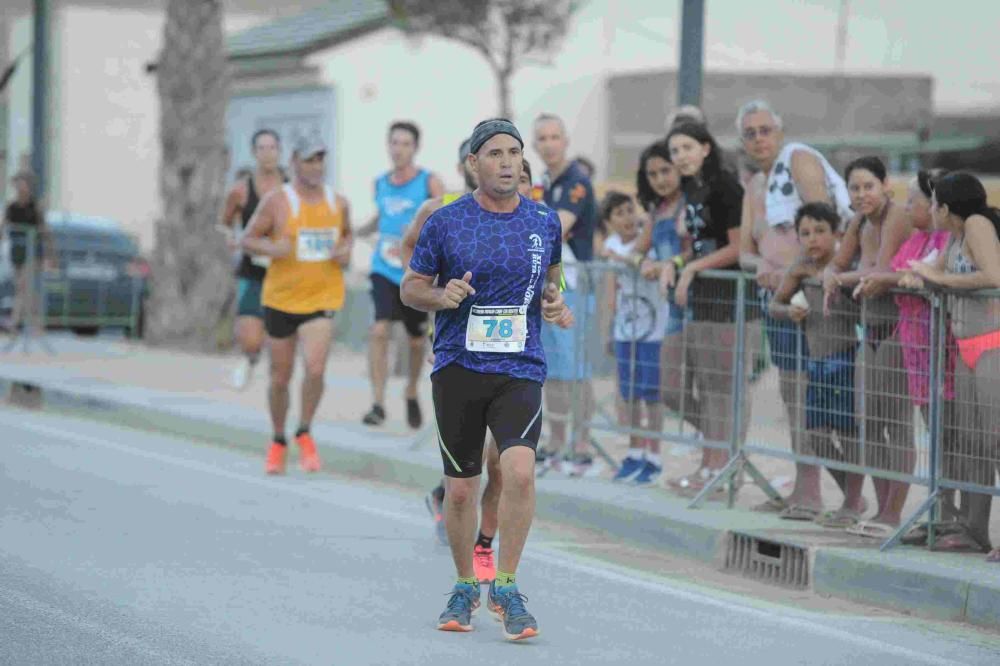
[921,584]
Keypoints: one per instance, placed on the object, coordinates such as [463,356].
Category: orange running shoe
[276,459]
[482,564]
[308,457]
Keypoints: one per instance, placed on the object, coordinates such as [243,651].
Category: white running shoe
[242,374]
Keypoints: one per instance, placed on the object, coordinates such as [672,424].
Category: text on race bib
[391,251]
[316,244]
[501,329]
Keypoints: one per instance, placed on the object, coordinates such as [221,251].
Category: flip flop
[962,541]
[872,529]
[797,512]
[918,535]
[691,483]
[839,519]
[772,505]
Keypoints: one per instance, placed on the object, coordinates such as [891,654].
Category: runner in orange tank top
[305,228]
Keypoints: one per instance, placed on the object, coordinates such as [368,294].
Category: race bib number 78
[501,329]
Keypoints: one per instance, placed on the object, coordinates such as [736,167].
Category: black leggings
[466,403]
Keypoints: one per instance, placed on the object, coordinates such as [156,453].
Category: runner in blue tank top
[498,255]
[398,195]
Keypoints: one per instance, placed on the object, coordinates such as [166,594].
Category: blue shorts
[566,358]
[830,395]
[248,298]
[644,382]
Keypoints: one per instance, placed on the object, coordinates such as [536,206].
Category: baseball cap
[307,146]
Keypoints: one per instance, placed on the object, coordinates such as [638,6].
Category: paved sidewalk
[189,394]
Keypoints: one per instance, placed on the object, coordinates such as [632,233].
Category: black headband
[489,129]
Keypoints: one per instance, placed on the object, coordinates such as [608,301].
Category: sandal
[918,535]
[772,505]
[691,482]
[963,541]
[839,519]
[798,512]
[872,529]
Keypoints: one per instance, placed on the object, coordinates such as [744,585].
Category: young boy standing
[833,344]
[640,322]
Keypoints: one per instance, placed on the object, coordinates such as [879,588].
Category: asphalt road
[123,547]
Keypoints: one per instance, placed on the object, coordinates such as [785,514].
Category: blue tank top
[397,204]
[497,330]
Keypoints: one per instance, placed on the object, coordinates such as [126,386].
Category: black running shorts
[280,324]
[389,307]
[466,403]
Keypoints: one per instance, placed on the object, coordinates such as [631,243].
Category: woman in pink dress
[913,330]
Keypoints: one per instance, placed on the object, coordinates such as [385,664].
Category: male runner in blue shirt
[498,256]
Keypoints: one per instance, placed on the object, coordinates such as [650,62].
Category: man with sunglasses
[791,174]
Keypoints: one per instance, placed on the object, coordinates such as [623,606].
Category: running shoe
[308,456]
[375,417]
[242,374]
[630,468]
[413,416]
[649,474]
[462,605]
[435,505]
[276,459]
[507,605]
[482,563]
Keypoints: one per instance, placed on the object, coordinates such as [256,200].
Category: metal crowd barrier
[71,292]
[874,387]
[966,433]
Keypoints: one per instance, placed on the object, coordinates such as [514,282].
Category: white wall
[446,88]
[105,151]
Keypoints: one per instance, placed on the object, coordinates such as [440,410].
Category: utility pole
[841,53]
[40,96]
[692,52]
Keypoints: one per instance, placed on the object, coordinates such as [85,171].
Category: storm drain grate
[767,561]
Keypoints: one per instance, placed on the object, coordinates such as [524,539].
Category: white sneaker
[242,374]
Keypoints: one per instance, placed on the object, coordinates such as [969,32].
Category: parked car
[99,278]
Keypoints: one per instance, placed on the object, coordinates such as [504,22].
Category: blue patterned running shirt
[496,330]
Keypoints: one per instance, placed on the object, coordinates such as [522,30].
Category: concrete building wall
[811,105]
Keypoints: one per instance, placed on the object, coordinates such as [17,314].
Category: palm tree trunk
[191,280]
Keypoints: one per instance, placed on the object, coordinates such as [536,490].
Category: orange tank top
[307,280]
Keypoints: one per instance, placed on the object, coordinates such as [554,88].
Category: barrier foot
[908,524]
[761,481]
[25,337]
[602,453]
[737,464]
[731,469]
